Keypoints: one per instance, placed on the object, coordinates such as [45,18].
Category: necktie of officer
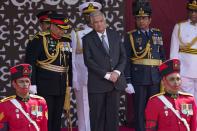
[147,34]
[104,43]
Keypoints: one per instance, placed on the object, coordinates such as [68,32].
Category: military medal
[184,109]
[34,110]
[139,41]
[39,113]
[190,110]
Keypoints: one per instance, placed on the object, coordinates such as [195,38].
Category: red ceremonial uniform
[161,118]
[12,119]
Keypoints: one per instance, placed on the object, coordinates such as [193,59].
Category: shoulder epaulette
[162,93]
[156,29]
[132,31]
[183,21]
[44,33]
[67,36]
[184,93]
[36,96]
[7,98]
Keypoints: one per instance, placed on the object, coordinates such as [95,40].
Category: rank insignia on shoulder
[184,93]
[159,94]
[67,36]
[7,98]
[36,96]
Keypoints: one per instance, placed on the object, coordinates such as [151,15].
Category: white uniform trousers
[83,109]
[189,85]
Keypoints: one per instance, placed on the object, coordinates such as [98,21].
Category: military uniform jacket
[57,53]
[80,74]
[143,74]
[161,118]
[185,34]
[12,119]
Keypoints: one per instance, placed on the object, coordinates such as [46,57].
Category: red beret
[21,70]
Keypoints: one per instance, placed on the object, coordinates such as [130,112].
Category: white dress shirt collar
[100,34]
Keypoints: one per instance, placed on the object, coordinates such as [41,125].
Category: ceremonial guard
[23,111]
[172,110]
[80,74]
[49,53]
[184,47]
[145,52]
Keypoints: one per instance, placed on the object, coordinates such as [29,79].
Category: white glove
[33,89]
[129,89]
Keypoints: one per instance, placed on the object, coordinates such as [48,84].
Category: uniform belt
[53,68]
[188,50]
[149,62]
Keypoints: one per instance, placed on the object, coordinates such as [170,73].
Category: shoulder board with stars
[7,98]
[184,93]
[67,37]
[159,94]
[132,31]
[36,96]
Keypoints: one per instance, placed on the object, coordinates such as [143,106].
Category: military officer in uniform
[23,111]
[145,52]
[49,53]
[171,110]
[80,74]
[184,47]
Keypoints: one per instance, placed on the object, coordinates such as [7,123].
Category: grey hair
[96,13]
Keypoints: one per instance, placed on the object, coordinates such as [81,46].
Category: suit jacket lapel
[111,41]
[98,42]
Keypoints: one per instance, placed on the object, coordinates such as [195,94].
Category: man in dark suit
[105,58]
